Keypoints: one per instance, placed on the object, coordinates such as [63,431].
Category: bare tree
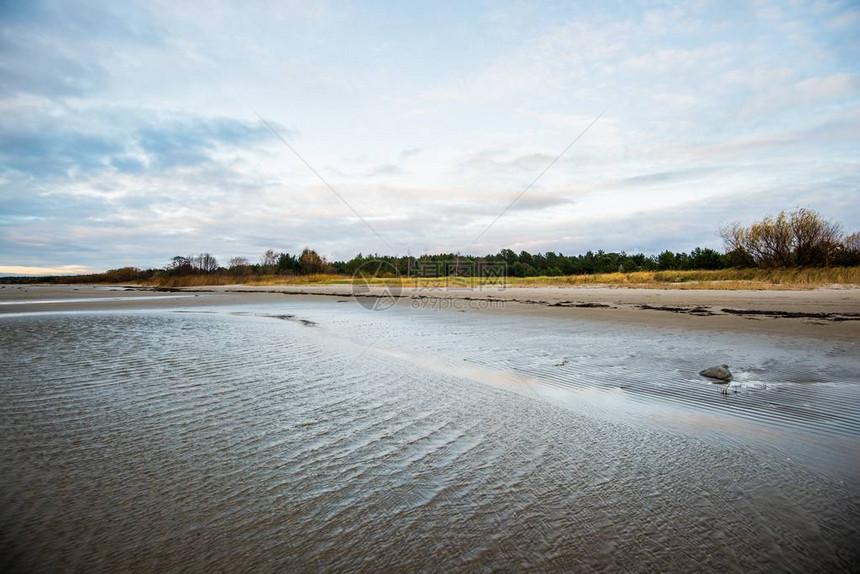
[851,249]
[851,243]
[801,237]
[816,240]
[238,262]
[178,262]
[770,241]
[204,262]
[180,266]
[269,259]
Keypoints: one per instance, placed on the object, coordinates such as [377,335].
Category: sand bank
[821,313]
[826,313]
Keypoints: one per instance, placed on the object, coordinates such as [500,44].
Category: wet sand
[198,431]
[237,429]
[832,313]
[845,301]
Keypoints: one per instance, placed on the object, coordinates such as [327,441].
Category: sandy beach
[577,413]
[449,406]
[832,313]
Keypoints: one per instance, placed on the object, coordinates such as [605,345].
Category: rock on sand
[720,373]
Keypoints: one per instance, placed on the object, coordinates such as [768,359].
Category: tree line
[522,264]
[799,238]
[272,262]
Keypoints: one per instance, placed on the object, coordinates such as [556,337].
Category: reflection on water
[321,436]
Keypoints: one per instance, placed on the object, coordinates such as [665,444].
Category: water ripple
[215,441]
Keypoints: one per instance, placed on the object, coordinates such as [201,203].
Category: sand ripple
[190,441]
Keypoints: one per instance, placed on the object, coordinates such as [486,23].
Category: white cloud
[130,137]
[27,270]
[831,87]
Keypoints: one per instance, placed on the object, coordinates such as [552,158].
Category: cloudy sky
[129,131]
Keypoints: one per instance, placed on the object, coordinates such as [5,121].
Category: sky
[131,132]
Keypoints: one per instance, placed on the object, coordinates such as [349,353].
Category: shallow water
[92,299]
[317,435]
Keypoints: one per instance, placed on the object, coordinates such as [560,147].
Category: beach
[318,434]
[831,313]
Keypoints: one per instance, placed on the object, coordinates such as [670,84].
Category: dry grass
[261,280]
[729,279]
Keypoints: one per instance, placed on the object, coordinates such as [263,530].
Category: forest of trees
[525,264]
[800,238]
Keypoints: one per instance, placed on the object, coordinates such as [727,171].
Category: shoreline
[822,313]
